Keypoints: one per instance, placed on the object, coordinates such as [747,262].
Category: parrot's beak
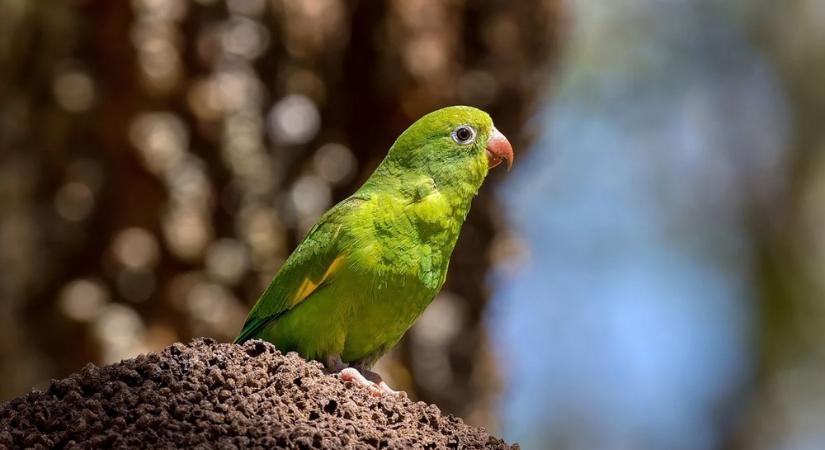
[498,149]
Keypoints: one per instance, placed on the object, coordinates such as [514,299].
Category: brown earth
[211,395]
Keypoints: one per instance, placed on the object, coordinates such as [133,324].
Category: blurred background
[649,275]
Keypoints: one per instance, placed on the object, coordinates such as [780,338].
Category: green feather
[371,265]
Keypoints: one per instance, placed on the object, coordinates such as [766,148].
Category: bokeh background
[649,275]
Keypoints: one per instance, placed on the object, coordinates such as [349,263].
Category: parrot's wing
[310,266]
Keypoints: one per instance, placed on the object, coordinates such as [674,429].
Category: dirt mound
[208,394]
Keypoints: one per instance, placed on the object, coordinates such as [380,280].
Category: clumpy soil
[212,395]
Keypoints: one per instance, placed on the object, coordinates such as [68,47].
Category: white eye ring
[464,134]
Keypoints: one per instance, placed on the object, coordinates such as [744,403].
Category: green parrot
[371,265]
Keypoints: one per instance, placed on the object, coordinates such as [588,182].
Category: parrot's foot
[371,380]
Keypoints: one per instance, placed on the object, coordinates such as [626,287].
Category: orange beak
[498,149]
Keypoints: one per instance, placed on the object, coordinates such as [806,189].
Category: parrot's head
[453,144]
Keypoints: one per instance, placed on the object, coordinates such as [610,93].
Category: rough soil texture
[207,395]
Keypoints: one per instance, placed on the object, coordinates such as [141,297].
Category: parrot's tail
[252,327]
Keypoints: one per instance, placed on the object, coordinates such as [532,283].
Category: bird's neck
[456,187]
[436,200]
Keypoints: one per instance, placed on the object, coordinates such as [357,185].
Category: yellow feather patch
[308,286]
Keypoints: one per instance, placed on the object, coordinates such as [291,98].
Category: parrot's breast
[405,265]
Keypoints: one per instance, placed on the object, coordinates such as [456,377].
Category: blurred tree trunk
[787,405]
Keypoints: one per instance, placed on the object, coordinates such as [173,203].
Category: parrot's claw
[385,389]
[374,383]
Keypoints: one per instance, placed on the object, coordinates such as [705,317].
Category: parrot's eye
[464,134]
